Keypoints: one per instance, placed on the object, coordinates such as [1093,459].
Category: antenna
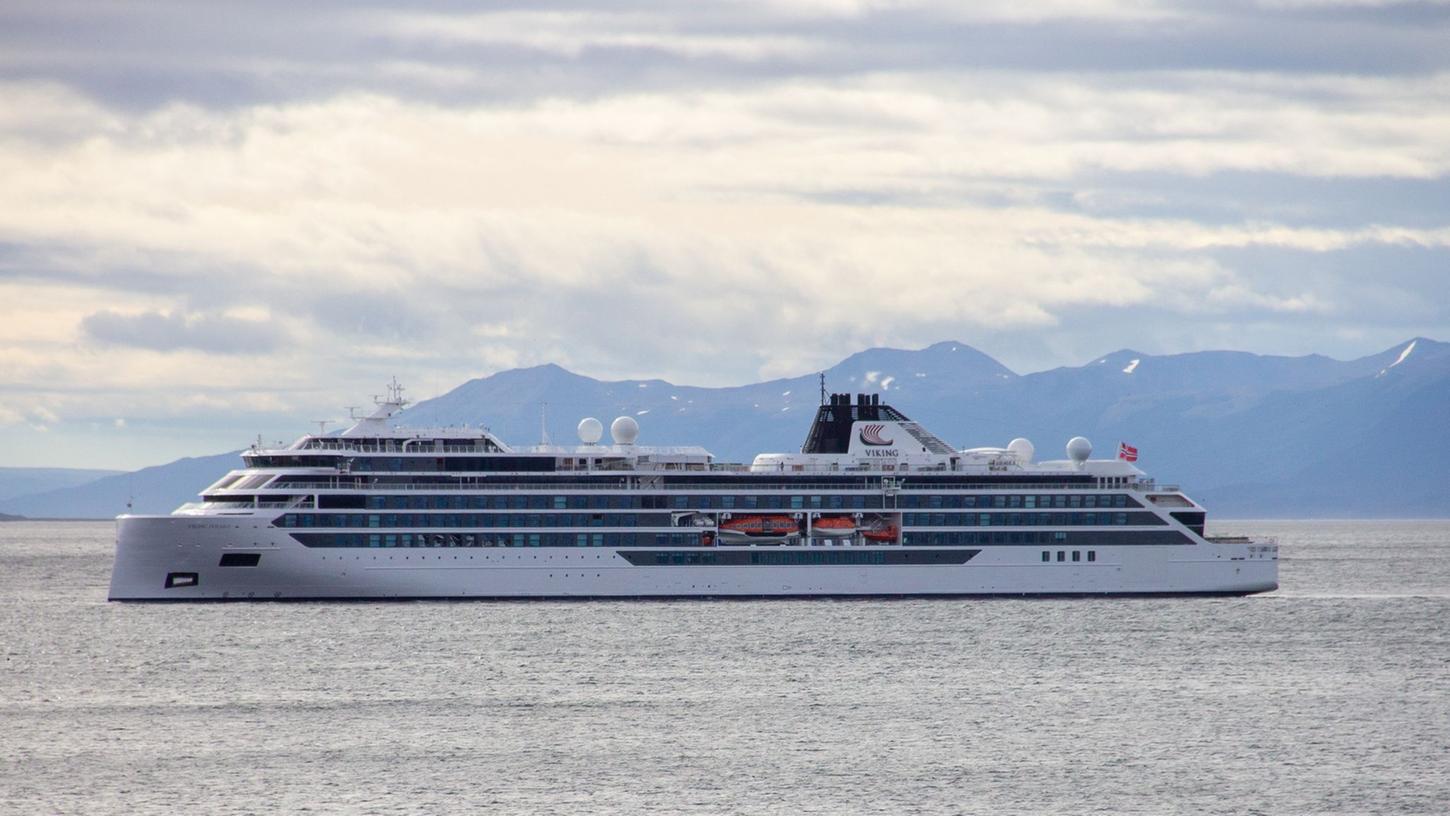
[823,388]
[352,411]
[322,426]
[395,392]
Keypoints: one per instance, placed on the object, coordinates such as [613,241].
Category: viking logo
[871,435]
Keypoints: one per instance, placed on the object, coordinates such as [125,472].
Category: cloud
[214,212]
[160,331]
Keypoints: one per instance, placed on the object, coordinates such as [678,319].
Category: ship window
[561,502]
[1030,502]
[1061,556]
[727,502]
[1092,555]
[1059,536]
[240,559]
[1046,555]
[1076,555]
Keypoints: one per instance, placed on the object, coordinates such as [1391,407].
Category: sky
[218,220]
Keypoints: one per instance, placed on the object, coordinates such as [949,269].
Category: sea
[1328,696]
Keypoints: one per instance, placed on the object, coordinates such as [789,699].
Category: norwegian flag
[1127,452]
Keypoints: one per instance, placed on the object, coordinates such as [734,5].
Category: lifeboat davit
[833,526]
[759,526]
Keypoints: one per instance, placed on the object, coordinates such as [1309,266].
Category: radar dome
[590,430]
[624,430]
[1079,449]
[1022,449]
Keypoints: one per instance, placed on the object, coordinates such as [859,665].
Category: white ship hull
[178,558]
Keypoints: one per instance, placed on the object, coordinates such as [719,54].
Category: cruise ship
[873,504]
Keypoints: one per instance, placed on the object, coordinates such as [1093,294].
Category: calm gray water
[1329,696]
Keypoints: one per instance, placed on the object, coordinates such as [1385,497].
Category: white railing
[642,485]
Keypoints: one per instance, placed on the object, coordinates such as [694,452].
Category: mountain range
[1247,434]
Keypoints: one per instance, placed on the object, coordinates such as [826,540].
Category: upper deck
[852,446]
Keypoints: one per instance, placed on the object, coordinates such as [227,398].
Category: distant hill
[1250,435]
[158,489]
[17,481]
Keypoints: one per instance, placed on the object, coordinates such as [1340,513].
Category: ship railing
[400,449]
[236,507]
[646,484]
[1150,486]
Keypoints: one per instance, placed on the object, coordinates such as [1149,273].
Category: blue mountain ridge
[157,489]
[21,481]
[1248,434]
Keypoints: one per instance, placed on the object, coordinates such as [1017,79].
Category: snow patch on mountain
[1399,359]
[1131,367]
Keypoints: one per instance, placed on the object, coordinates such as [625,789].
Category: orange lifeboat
[833,526]
[883,532]
[759,526]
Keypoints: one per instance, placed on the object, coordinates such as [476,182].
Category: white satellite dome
[590,430]
[1079,449]
[624,430]
[1022,449]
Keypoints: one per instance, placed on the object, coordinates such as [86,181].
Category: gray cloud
[147,54]
[160,331]
[709,192]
